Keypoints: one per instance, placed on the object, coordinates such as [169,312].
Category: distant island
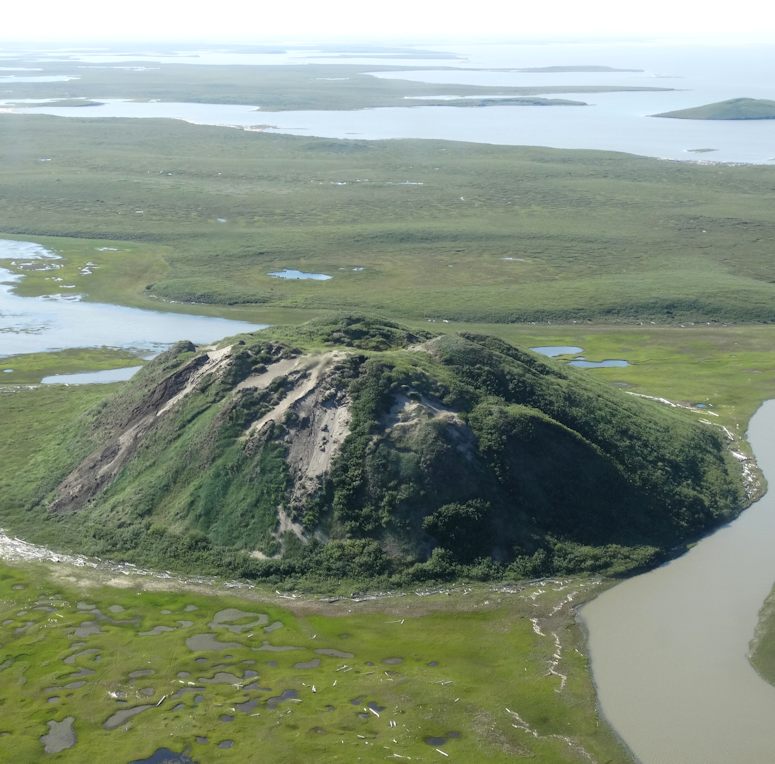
[62,103]
[517,101]
[734,108]
[560,69]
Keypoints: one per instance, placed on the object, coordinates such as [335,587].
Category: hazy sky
[256,20]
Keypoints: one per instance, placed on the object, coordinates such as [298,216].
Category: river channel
[669,648]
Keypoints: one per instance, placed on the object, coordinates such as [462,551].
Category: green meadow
[436,231]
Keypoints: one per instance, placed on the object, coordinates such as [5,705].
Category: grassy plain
[441,230]
[257,678]
[38,420]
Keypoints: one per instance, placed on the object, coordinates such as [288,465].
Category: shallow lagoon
[609,363]
[612,122]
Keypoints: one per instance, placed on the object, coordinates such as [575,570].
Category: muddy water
[669,647]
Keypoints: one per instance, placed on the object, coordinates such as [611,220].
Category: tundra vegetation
[665,264]
[350,448]
[91,672]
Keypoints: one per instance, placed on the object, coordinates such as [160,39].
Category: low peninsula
[734,108]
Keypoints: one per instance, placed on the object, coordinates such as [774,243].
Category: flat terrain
[330,84]
[91,672]
[413,230]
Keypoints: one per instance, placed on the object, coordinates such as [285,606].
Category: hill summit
[352,447]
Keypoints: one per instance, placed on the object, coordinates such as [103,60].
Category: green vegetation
[729,369]
[32,367]
[590,236]
[444,456]
[38,444]
[734,108]
[292,681]
[762,648]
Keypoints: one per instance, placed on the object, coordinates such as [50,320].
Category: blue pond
[555,350]
[582,363]
[293,275]
[165,756]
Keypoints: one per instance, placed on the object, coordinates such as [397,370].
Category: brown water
[669,648]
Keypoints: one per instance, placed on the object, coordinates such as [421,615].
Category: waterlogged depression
[60,320]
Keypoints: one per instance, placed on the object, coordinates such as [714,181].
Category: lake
[669,648]
[60,320]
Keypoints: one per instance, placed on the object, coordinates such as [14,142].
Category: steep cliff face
[357,447]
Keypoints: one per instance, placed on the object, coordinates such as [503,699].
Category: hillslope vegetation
[353,448]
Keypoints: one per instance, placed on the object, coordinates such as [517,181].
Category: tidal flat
[98,666]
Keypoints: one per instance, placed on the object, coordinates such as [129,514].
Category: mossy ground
[448,662]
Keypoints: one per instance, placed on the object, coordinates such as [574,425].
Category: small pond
[555,350]
[93,377]
[583,363]
[293,275]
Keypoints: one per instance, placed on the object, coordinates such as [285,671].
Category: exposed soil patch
[101,467]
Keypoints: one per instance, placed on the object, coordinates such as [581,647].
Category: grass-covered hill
[356,448]
[734,108]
